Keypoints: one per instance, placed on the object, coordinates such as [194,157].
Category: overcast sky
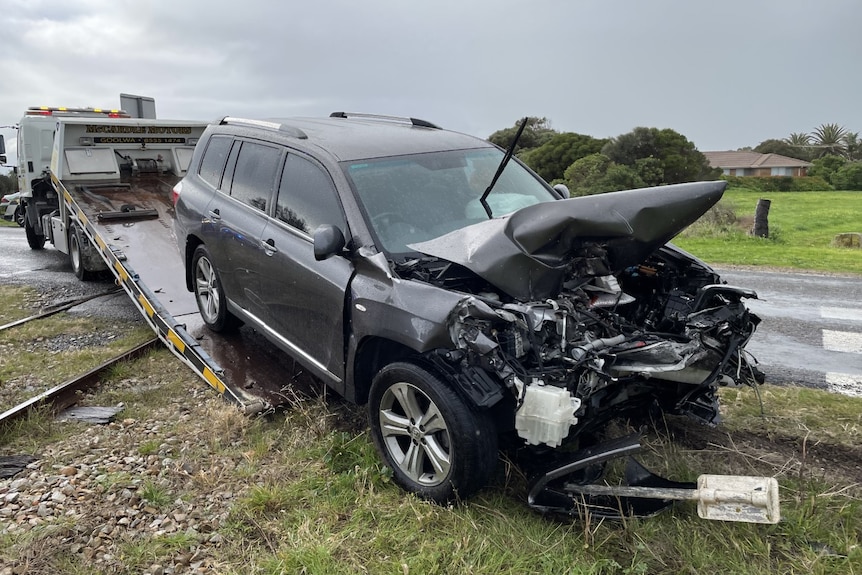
[725,74]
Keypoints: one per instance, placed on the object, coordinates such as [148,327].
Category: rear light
[175,192]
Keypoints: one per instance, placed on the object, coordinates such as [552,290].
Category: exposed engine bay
[665,332]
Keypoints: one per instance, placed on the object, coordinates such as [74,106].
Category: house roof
[752,160]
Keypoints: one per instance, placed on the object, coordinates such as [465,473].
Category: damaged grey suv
[435,278]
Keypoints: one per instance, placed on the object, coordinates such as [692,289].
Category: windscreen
[409,199]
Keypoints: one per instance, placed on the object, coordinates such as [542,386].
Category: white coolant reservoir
[546,414]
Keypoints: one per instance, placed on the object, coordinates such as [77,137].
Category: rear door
[238,216]
[304,297]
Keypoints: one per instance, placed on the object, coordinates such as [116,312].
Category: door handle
[214,215]
[269,246]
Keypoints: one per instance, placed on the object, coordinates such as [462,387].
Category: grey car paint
[527,254]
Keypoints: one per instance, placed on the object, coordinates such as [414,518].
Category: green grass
[802,226]
[310,494]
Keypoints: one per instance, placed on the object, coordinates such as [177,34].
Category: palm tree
[801,143]
[829,138]
[852,146]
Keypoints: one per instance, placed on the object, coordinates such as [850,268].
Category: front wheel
[19,216]
[437,447]
[210,296]
[35,240]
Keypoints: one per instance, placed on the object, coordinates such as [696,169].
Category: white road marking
[844,384]
[846,341]
[841,313]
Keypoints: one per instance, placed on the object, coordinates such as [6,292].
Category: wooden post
[761,219]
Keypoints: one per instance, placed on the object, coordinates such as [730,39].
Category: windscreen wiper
[509,153]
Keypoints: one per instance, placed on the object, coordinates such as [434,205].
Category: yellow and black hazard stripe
[172,333]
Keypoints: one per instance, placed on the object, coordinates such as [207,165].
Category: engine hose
[579,352]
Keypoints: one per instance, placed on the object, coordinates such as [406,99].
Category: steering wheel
[385,219]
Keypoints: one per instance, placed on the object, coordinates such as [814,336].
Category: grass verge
[304,491]
[802,226]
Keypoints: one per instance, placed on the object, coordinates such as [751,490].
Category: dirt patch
[776,454]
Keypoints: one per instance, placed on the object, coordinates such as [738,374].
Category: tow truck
[95,183]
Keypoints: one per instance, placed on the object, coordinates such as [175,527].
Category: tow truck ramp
[157,257]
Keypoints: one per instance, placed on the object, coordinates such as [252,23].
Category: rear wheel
[211,299]
[77,246]
[19,216]
[437,447]
[35,240]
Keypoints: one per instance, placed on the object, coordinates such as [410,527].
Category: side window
[307,197]
[254,175]
[212,163]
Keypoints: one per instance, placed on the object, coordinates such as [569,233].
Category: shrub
[719,220]
[778,183]
[849,177]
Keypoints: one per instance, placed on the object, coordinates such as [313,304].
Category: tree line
[652,157]
[834,151]
[587,165]
[8,184]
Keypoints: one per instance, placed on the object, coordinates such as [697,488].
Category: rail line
[65,394]
[55,309]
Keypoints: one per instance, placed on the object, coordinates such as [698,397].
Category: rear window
[212,164]
[254,176]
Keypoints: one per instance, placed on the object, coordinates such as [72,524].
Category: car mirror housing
[328,241]
[563,191]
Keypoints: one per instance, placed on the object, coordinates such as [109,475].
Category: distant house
[756,164]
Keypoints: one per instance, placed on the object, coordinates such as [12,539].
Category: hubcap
[75,251]
[206,287]
[415,434]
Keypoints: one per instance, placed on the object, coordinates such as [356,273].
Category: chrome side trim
[288,344]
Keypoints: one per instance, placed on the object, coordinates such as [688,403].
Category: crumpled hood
[527,254]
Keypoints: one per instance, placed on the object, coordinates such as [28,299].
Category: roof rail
[414,121]
[289,130]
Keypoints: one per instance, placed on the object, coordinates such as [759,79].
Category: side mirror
[328,241]
[563,190]
[2,145]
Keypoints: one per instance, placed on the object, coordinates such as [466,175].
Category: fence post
[761,219]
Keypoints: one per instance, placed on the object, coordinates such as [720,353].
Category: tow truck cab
[35,146]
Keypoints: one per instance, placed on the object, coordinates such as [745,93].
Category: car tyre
[35,240]
[19,216]
[77,244]
[209,294]
[437,447]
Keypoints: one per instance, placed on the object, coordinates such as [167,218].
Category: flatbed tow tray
[143,256]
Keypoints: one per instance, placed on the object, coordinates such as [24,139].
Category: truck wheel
[437,447]
[212,302]
[34,240]
[77,244]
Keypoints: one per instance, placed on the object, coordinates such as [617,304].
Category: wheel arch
[192,243]
[372,355]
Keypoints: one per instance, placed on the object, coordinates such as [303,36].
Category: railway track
[65,394]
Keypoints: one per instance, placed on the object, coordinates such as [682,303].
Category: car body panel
[528,253]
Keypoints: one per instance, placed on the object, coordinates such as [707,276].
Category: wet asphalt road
[50,272]
[811,333]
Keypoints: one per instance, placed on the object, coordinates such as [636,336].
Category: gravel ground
[99,492]
[103,491]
